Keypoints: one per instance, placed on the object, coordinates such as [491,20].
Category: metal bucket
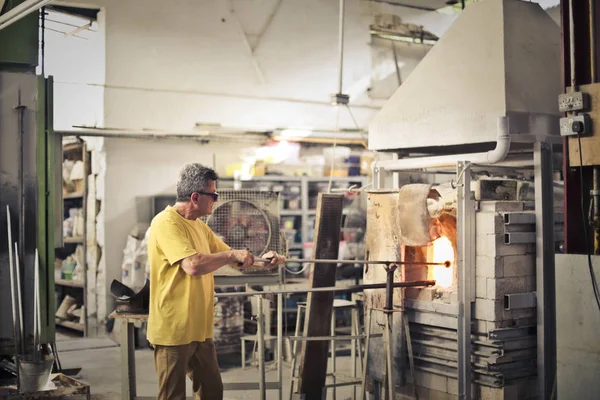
[34,375]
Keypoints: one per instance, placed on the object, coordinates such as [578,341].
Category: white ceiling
[436,4]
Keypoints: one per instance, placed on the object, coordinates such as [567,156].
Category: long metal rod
[13,290]
[348,289]
[261,350]
[362,262]
[280,344]
[341,44]
[294,351]
[21,110]
[363,387]
[465,237]
[389,364]
[37,309]
[411,358]
[35,317]
[19,298]
[333,358]
[84,205]
[389,334]
[355,343]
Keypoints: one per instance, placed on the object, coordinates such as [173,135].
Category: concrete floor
[100,363]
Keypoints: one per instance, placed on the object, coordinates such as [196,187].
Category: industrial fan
[248,219]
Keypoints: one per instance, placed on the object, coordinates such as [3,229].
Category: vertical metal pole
[84,205]
[13,289]
[355,342]
[333,360]
[304,207]
[545,274]
[388,334]
[280,344]
[295,349]
[19,299]
[341,45]
[411,358]
[261,349]
[363,386]
[465,235]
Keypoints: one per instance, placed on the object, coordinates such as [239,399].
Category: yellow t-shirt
[181,305]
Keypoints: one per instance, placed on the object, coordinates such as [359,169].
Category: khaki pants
[197,360]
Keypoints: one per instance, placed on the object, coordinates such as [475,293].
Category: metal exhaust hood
[500,58]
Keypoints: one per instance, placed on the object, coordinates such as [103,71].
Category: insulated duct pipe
[494,156]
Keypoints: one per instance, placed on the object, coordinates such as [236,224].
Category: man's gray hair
[193,178]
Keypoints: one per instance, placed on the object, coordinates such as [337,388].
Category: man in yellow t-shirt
[183,254]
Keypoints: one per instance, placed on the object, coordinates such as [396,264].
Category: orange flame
[442,252]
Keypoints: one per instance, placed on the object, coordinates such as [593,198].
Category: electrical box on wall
[587,99]
[573,101]
[576,125]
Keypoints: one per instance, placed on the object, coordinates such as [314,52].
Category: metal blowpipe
[364,262]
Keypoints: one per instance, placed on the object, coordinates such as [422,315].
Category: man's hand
[275,258]
[243,258]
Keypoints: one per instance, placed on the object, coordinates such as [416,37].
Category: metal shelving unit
[77,150]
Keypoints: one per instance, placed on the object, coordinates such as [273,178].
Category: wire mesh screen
[247,219]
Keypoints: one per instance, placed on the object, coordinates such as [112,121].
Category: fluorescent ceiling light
[20,11]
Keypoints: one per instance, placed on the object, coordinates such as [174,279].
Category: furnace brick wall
[501,268]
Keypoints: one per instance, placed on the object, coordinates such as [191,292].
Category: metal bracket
[516,301]
[511,333]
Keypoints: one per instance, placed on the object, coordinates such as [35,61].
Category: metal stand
[354,338]
[388,343]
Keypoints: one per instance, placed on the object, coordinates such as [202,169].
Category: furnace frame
[542,165]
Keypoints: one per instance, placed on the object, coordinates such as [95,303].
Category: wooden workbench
[128,378]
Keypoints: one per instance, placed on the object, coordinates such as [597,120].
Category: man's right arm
[202,264]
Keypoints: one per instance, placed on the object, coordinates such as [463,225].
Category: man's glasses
[214,195]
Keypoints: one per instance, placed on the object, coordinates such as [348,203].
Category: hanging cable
[337,124]
[585,228]
[366,140]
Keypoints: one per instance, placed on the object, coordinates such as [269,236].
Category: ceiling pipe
[21,11]
[494,156]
